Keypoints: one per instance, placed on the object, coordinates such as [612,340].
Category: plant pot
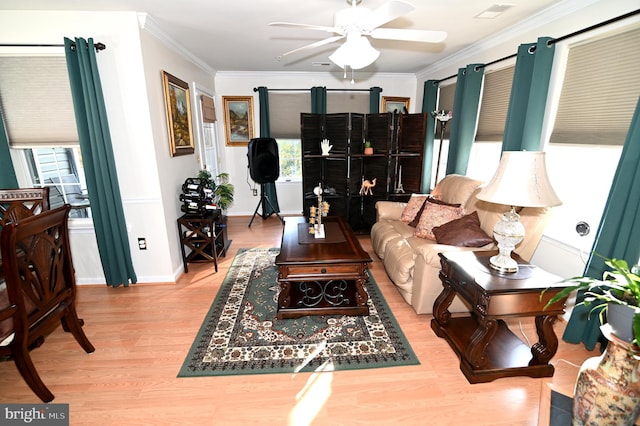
[608,387]
[620,317]
[368,151]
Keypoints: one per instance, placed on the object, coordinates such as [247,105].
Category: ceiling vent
[494,11]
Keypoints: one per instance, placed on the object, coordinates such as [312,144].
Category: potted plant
[368,149]
[618,293]
[607,387]
[221,187]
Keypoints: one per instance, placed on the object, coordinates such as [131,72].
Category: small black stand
[266,200]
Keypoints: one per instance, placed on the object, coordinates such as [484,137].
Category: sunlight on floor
[313,396]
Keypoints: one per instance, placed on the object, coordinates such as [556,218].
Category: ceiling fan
[356,24]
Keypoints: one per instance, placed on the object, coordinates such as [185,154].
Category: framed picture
[238,119]
[177,102]
[394,104]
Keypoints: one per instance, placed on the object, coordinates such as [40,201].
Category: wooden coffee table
[321,276]
[487,349]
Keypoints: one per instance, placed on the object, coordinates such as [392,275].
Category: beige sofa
[413,264]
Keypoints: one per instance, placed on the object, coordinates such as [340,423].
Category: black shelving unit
[343,171]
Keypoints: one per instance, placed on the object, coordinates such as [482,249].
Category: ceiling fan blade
[303,26]
[386,13]
[316,44]
[409,35]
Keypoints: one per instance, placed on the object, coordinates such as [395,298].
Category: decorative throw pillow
[463,232]
[433,200]
[435,215]
[414,205]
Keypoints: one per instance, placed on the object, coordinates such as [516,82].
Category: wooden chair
[40,290]
[16,204]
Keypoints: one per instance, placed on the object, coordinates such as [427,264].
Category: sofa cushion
[416,220]
[413,208]
[455,189]
[464,232]
[385,231]
[435,215]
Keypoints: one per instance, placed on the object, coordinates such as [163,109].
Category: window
[60,169]
[487,148]
[599,93]
[290,153]
[284,119]
[40,123]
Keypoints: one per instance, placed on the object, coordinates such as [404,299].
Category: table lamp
[520,181]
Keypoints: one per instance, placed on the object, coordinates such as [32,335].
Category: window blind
[600,91]
[35,97]
[445,101]
[208,109]
[348,102]
[494,105]
[284,113]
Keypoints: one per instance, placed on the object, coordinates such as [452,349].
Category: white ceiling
[234,35]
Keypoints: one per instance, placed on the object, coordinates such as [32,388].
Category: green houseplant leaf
[618,285]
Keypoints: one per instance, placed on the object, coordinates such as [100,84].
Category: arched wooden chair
[16,204]
[40,290]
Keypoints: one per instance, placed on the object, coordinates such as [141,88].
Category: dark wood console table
[487,349]
[324,276]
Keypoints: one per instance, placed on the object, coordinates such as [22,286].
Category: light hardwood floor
[142,335]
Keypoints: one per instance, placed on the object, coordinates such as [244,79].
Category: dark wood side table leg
[284,298]
[361,294]
[474,353]
[547,344]
[441,306]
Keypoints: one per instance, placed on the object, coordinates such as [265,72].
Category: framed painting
[177,101]
[238,119]
[394,104]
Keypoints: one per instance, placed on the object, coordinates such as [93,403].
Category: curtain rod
[255,89]
[555,40]
[98,46]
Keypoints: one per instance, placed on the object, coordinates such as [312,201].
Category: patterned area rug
[241,335]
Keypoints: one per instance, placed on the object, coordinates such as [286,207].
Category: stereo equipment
[264,163]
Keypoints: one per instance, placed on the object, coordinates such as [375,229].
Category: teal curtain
[318,100]
[8,178]
[465,118]
[429,102]
[269,188]
[618,234]
[374,100]
[523,128]
[99,163]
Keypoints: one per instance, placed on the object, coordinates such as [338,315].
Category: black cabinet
[203,237]
[397,142]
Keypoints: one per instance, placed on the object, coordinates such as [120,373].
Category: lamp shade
[521,180]
[356,52]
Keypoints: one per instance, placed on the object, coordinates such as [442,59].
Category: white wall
[148,177]
[242,84]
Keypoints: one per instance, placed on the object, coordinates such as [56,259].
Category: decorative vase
[608,387]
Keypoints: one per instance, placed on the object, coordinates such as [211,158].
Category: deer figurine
[367,186]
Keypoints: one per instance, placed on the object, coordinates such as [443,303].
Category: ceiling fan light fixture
[355,53]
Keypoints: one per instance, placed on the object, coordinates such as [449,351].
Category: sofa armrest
[390,210]
[429,253]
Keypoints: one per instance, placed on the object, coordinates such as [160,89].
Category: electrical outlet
[142,243]
[255,192]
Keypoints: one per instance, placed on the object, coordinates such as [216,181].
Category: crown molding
[359,76]
[148,24]
[551,14]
